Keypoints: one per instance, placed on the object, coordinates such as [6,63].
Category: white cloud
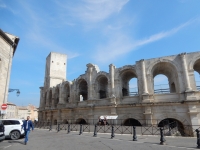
[93,10]
[98,10]
[120,44]
[2,5]
[50,45]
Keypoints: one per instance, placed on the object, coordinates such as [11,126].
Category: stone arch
[192,63]
[183,120]
[65,121]
[101,73]
[126,74]
[102,85]
[81,121]
[138,117]
[56,95]
[50,96]
[167,68]
[82,88]
[171,124]
[131,122]
[66,91]
[55,122]
[45,98]
[178,69]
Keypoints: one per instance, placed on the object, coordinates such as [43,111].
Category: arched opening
[81,121]
[56,97]
[102,87]
[65,121]
[161,84]
[166,78]
[55,122]
[45,99]
[50,97]
[83,90]
[174,126]
[196,68]
[129,83]
[132,122]
[133,88]
[66,93]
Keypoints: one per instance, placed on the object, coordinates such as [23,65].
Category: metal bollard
[162,139]
[50,127]
[95,131]
[198,138]
[58,127]
[134,134]
[112,133]
[80,129]
[68,131]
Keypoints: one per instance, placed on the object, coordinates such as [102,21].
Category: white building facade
[8,45]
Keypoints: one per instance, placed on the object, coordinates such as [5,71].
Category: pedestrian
[105,121]
[27,125]
[100,121]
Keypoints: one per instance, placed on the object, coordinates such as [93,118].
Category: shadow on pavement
[13,141]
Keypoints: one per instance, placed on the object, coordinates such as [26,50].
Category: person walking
[27,125]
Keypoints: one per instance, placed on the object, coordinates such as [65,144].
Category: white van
[13,128]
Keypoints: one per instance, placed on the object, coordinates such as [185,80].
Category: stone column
[112,76]
[185,72]
[90,68]
[144,80]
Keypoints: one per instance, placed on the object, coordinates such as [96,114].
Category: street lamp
[11,90]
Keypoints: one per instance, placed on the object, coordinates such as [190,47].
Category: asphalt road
[41,139]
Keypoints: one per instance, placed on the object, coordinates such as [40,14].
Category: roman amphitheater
[97,93]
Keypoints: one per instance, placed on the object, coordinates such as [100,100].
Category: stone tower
[55,71]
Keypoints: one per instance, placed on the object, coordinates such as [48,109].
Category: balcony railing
[161,89]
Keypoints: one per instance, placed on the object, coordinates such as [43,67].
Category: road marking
[7,146]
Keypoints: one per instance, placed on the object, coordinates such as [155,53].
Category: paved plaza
[41,139]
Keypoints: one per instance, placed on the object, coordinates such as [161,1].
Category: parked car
[2,135]
[13,128]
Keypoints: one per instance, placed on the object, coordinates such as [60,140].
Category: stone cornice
[7,39]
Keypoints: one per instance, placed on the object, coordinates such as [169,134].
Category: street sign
[4,106]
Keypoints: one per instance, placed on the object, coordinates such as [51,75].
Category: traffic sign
[4,106]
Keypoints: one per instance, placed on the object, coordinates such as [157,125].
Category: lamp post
[11,90]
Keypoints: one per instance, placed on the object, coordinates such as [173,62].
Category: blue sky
[94,31]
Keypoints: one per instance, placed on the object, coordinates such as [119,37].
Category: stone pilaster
[61,94]
[144,80]
[90,68]
[112,76]
[148,115]
[145,93]
[185,73]
[193,113]
[47,100]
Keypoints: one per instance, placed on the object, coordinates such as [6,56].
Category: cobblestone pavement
[41,139]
